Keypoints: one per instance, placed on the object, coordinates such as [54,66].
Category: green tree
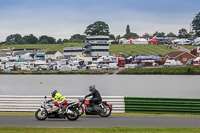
[128,29]
[77,38]
[13,39]
[97,28]
[112,37]
[196,24]
[51,40]
[171,34]
[159,34]
[21,41]
[65,41]
[46,40]
[191,34]
[118,37]
[43,41]
[183,33]
[131,35]
[146,35]
[59,41]
[30,39]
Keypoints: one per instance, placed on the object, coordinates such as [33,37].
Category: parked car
[105,66]
[187,42]
[189,62]
[196,43]
[172,63]
[131,66]
[10,68]
[113,66]
[141,65]
[91,66]
[154,42]
[75,67]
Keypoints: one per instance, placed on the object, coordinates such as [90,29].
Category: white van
[104,66]
[172,63]
[131,66]
[112,66]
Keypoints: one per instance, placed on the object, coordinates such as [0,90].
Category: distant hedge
[192,70]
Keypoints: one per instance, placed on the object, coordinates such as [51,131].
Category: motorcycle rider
[96,97]
[61,100]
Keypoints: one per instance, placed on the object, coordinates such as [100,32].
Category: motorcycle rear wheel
[106,111]
[74,116]
[41,114]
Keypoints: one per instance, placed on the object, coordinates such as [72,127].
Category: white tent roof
[140,39]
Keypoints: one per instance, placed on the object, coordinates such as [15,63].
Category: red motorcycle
[101,108]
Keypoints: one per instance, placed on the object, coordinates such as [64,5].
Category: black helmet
[91,87]
[54,93]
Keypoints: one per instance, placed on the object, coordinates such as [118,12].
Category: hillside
[128,49]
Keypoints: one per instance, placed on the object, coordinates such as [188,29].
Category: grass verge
[99,130]
[86,72]
[42,47]
[192,70]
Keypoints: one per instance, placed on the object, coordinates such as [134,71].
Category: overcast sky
[63,18]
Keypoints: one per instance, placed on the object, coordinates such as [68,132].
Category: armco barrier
[32,103]
[162,105]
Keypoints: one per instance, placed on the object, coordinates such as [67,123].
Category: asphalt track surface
[96,121]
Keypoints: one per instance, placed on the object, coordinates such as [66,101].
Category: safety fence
[32,103]
[120,104]
[162,105]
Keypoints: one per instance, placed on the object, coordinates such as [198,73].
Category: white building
[72,51]
[97,45]
[53,55]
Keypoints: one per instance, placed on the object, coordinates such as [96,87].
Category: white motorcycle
[49,110]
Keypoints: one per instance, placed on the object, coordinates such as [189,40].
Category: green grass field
[98,130]
[43,47]
[139,49]
[190,47]
[127,49]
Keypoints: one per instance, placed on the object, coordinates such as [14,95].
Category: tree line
[101,28]
[44,39]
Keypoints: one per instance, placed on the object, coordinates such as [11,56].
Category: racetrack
[96,121]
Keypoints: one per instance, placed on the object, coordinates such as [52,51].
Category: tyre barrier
[32,103]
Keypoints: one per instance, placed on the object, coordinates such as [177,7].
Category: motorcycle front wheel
[41,114]
[72,114]
[105,111]
[81,110]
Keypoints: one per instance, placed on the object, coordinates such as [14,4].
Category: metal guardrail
[32,103]
[162,105]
